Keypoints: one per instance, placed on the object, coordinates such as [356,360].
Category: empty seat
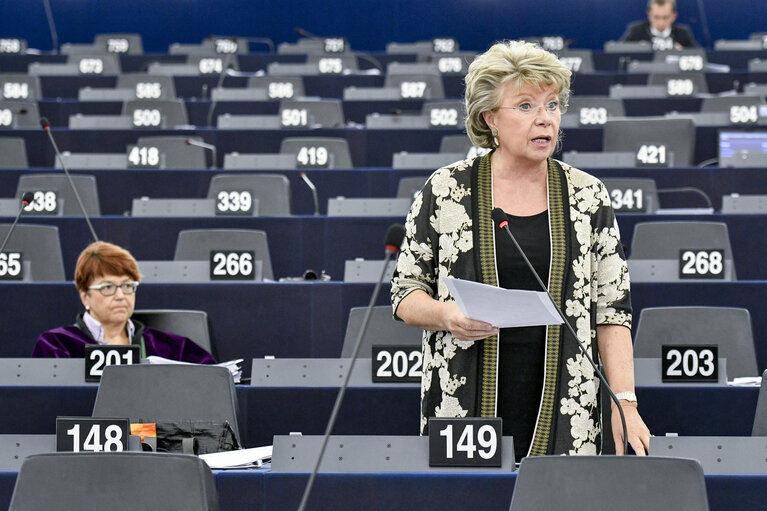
[38,245]
[14,152]
[382,329]
[121,481]
[318,152]
[59,184]
[146,86]
[19,87]
[654,141]
[19,115]
[193,324]
[680,84]
[408,187]
[175,152]
[727,327]
[272,191]
[639,483]
[279,87]
[157,114]
[321,113]
[168,392]
[632,195]
[760,418]
[128,44]
[672,251]
[197,245]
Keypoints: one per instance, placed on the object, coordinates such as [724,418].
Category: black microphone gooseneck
[207,147]
[26,199]
[394,236]
[51,26]
[47,128]
[224,71]
[314,192]
[500,218]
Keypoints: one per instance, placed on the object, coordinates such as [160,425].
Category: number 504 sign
[473,442]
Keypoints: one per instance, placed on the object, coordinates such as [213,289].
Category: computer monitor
[742,148]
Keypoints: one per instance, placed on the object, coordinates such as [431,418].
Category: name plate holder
[42,371]
[315,372]
[667,270]
[716,454]
[648,373]
[15,448]
[374,453]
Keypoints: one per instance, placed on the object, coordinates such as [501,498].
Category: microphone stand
[394,240]
[504,224]
[25,201]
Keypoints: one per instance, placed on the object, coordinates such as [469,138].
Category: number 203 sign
[472,442]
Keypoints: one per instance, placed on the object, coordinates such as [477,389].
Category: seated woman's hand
[466,329]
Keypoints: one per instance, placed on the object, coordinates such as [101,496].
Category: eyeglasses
[552,107]
[109,289]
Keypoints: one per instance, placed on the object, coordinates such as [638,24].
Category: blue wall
[368,24]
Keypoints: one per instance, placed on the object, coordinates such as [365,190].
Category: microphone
[209,147]
[47,128]
[314,192]
[26,199]
[300,31]
[500,218]
[225,65]
[51,26]
[394,236]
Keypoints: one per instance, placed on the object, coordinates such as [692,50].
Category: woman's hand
[463,328]
[638,434]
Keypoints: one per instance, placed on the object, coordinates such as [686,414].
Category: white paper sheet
[501,307]
[242,458]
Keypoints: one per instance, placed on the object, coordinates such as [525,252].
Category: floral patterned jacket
[450,233]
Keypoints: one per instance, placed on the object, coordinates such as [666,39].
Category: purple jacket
[70,342]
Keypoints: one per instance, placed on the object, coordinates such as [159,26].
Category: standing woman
[535,378]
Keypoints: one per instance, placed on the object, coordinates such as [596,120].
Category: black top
[521,350]
[640,31]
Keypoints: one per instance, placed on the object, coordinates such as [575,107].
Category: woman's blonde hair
[509,61]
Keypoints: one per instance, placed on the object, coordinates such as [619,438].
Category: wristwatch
[627,396]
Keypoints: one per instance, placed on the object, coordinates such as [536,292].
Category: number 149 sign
[472,442]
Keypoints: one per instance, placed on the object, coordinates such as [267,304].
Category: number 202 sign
[98,356]
[85,434]
[473,442]
[397,364]
[689,364]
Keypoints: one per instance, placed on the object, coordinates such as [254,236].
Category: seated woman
[107,277]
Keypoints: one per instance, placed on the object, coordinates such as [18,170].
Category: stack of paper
[232,365]
[242,458]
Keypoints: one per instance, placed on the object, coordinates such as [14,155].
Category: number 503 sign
[473,442]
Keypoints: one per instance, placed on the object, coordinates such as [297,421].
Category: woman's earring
[494,132]
[87,308]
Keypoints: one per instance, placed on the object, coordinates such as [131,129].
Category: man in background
[660,29]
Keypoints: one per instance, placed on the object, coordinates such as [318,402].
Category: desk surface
[261,490]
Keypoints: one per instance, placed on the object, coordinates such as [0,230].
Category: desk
[260,490]
[304,320]
[265,412]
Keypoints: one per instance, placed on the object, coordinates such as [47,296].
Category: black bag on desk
[195,436]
